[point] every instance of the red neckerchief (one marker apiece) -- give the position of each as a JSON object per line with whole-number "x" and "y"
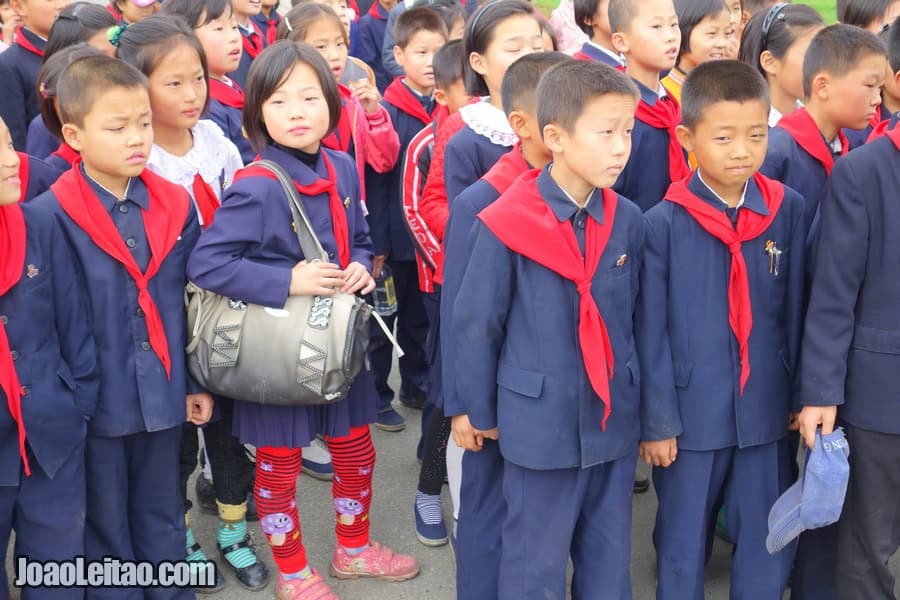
{"x": 507, "y": 169}
{"x": 24, "y": 169}
{"x": 750, "y": 225}
{"x": 12, "y": 249}
{"x": 67, "y": 153}
{"x": 229, "y": 95}
{"x": 272, "y": 22}
{"x": 340, "y": 138}
{"x": 374, "y": 12}
{"x": 666, "y": 114}
{"x": 526, "y": 224}
{"x": 252, "y": 48}
{"x": 875, "y": 120}
{"x": 320, "y": 186}
{"x": 807, "y": 135}
{"x": 880, "y": 130}
{"x": 894, "y": 136}
{"x": 163, "y": 223}
{"x": 113, "y": 11}
{"x": 23, "y": 41}
{"x": 399, "y": 95}
{"x": 206, "y": 200}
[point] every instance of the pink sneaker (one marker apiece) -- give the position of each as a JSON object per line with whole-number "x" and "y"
{"x": 375, "y": 561}
{"x": 311, "y": 588}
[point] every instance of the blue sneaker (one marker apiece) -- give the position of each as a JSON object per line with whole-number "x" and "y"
{"x": 390, "y": 420}
{"x": 317, "y": 461}
{"x": 430, "y": 535}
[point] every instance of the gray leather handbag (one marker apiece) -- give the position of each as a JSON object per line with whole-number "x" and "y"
{"x": 304, "y": 353}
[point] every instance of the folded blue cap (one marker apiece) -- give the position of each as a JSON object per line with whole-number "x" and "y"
{"x": 817, "y": 498}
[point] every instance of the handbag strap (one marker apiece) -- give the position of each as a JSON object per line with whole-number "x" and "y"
{"x": 309, "y": 243}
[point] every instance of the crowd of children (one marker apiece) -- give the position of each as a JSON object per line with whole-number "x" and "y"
{"x": 671, "y": 241}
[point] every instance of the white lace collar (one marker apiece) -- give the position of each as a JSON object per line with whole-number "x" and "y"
{"x": 214, "y": 156}
{"x": 489, "y": 121}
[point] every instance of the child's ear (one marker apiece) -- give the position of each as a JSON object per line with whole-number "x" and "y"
{"x": 769, "y": 63}
{"x": 554, "y": 138}
{"x": 519, "y": 123}
{"x": 478, "y": 63}
{"x": 440, "y": 96}
{"x": 72, "y": 136}
{"x": 620, "y": 42}
{"x": 398, "y": 56}
{"x": 819, "y": 87}
{"x": 685, "y": 137}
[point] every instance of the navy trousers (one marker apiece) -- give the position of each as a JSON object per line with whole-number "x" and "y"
{"x": 134, "y": 505}
{"x": 748, "y": 481}
{"x": 48, "y": 518}
{"x": 482, "y": 509}
{"x": 552, "y": 515}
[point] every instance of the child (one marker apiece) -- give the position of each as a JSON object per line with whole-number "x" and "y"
{"x": 419, "y": 33}
{"x": 129, "y": 12}
{"x": 592, "y": 17}
{"x": 61, "y": 157}
{"x": 81, "y": 22}
{"x": 873, "y": 15}
{"x": 777, "y": 51}
{"x": 843, "y": 72}
{"x": 481, "y": 504}
{"x": 890, "y": 93}
{"x": 20, "y": 64}
{"x": 849, "y": 367}
{"x": 252, "y": 38}
{"x": 251, "y": 252}
{"x": 267, "y": 20}
{"x": 371, "y": 36}
{"x": 49, "y": 382}
{"x": 365, "y": 130}
{"x": 706, "y": 31}
{"x": 214, "y": 25}
{"x": 545, "y": 387}
{"x": 130, "y": 232}
{"x": 647, "y": 33}
{"x": 715, "y": 397}
{"x": 195, "y": 154}
{"x": 9, "y": 22}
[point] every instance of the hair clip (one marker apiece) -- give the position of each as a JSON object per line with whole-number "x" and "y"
{"x": 114, "y": 34}
{"x": 287, "y": 25}
{"x": 43, "y": 90}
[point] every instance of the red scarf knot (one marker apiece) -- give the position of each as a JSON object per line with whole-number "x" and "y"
{"x": 801, "y": 126}
{"x": 24, "y": 42}
{"x": 665, "y": 113}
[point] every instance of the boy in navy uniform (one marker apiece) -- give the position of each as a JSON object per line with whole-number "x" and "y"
{"x": 481, "y": 506}
{"x": 20, "y": 64}
{"x": 850, "y": 371}
{"x": 48, "y": 379}
{"x": 372, "y": 26}
{"x": 131, "y": 232}
{"x": 719, "y": 325}
{"x": 420, "y": 33}
{"x": 646, "y": 32}
{"x": 543, "y": 330}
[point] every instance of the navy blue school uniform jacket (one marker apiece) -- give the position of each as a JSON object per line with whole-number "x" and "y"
{"x": 39, "y": 142}
{"x": 851, "y": 342}
{"x": 516, "y": 329}
{"x": 592, "y": 51}
{"x": 372, "y": 26}
{"x": 229, "y": 121}
{"x": 390, "y": 235}
{"x": 463, "y": 214}
{"x": 48, "y": 326}
{"x": 467, "y": 157}
{"x": 19, "y": 67}
{"x": 646, "y": 176}
{"x": 689, "y": 354}
{"x": 135, "y": 394}
{"x": 253, "y": 42}
{"x": 268, "y": 26}
{"x": 36, "y": 176}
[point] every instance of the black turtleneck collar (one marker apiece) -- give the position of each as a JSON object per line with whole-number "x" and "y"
{"x": 310, "y": 159}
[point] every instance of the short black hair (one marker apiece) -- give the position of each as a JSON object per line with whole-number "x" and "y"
{"x": 450, "y": 11}
{"x": 720, "y": 81}
{"x": 197, "y": 13}
{"x": 480, "y": 33}
{"x": 296, "y": 23}
{"x": 584, "y": 10}
{"x": 891, "y": 39}
{"x": 447, "y": 64}
{"x": 621, "y": 14}
{"x": 412, "y": 21}
{"x": 144, "y": 45}
{"x": 837, "y": 50}
{"x": 690, "y": 13}
{"x": 567, "y": 88}
{"x": 755, "y": 6}
{"x": 521, "y": 80}
{"x": 786, "y": 25}
{"x": 78, "y": 22}
{"x": 863, "y": 13}
{"x": 48, "y": 81}
{"x": 269, "y": 71}
{"x": 87, "y": 79}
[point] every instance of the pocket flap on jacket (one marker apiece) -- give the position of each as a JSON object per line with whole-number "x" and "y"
{"x": 884, "y": 341}
{"x": 66, "y": 377}
{"x": 521, "y": 381}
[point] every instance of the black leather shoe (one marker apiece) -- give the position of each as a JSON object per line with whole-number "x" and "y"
{"x": 254, "y": 577}
{"x": 220, "y": 581}
{"x": 641, "y": 484}
{"x": 412, "y": 398}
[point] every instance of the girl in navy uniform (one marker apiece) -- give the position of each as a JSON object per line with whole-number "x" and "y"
{"x": 48, "y": 380}
{"x": 251, "y": 252}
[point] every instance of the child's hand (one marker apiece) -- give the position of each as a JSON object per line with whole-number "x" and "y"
{"x": 812, "y": 417}
{"x": 315, "y": 279}
{"x": 464, "y": 434}
{"x": 659, "y": 454}
{"x": 367, "y": 94}
{"x": 357, "y": 279}
{"x": 491, "y": 434}
{"x": 199, "y": 408}
{"x": 794, "y": 421}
